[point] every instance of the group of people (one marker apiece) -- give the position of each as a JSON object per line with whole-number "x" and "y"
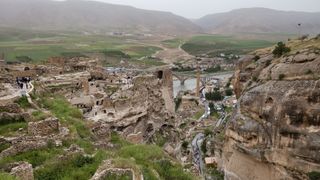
{"x": 22, "y": 81}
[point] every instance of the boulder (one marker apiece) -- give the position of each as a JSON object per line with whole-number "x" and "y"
{"x": 23, "y": 170}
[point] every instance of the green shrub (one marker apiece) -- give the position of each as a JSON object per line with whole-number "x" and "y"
{"x": 204, "y": 146}
{"x": 281, "y": 76}
{"x": 212, "y": 108}
{"x": 268, "y": 63}
{"x": 213, "y": 172}
{"x": 168, "y": 171}
{"x": 314, "y": 175}
{"x": 229, "y": 92}
{"x": 308, "y": 72}
{"x": 256, "y": 58}
{"x": 280, "y": 49}
{"x": 160, "y": 139}
{"x": 184, "y": 145}
{"x": 255, "y": 78}
{"x": 208, "y": 132}
{"x": 177, "y": 103}
{"x": 214, "y": 96}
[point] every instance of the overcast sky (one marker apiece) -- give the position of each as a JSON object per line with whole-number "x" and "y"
{"x": 198, "y": 8}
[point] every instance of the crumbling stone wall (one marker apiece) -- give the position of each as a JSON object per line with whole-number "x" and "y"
{"x": 44, "y": 128}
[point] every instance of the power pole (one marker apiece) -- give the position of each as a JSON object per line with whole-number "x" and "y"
{"x": 198, "y": 77}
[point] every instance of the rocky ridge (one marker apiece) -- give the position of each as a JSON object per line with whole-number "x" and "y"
{"x": 276, "y": 129}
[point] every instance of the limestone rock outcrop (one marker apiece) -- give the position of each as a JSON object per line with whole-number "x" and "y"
{"x": 276, "y": 130}
{"x": 23, "y": 170}
{"x": 138, "y": 112}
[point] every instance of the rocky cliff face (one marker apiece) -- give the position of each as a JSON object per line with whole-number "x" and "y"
{"x": 275, "y": 133}
{"x": 138, "y": 112}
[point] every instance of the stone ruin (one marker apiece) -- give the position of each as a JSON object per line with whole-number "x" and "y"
{"x": 138, "y": 112}
{"x": 44, "y": 128}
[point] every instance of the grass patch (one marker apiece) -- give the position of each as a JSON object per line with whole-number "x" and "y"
{"x": 148, "y": 62}
{"x": 39, "y": 115}
{"x": 214, "y": 45}
{"x": 168, "y": 171}
{"x": 141, "y": 51}
{"x": 160, "y": 140}
{"x": 7, "y": 176}
{"x": 67, "y": 114}
{"x": 4, "y": 146}
{"x": 198, "y": 114}
{"x": 72, "y": 167}
{"x": 124, "y": 176}
{"x": 11, "y": 129}
{"x": 35, "y": 157}
{"x": 152, "y": 157}
{"x": 23, "y": 102}
{"x": 172, "y": 43}
{"x": 117, "y": 140}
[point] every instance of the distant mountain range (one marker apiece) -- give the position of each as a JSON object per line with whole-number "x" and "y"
{"x": 89, "y": 16}
{"x": 74, "y": 15}
{"x": 260, "y": 20}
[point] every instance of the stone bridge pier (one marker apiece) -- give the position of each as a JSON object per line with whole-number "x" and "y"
{"x": 181, "y": 78}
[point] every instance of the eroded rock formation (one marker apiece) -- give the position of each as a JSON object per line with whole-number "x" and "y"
{"x": 140, "y": 110}
{"x": 276, "y": 130}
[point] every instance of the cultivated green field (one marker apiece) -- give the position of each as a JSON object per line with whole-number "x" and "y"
{"x": 38, "y": 46}
{"x": 172, "y": 43}
{"x": 215, "y": 44}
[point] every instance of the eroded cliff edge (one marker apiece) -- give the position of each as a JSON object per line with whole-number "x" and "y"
{"x": 275, "y": 132}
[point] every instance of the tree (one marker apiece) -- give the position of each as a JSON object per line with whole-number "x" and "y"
{"x": 228, "y": 92}
{"x": 214, "y": 96}
{"x": 280, "y": 49}
{"x": 256, "y": 58}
